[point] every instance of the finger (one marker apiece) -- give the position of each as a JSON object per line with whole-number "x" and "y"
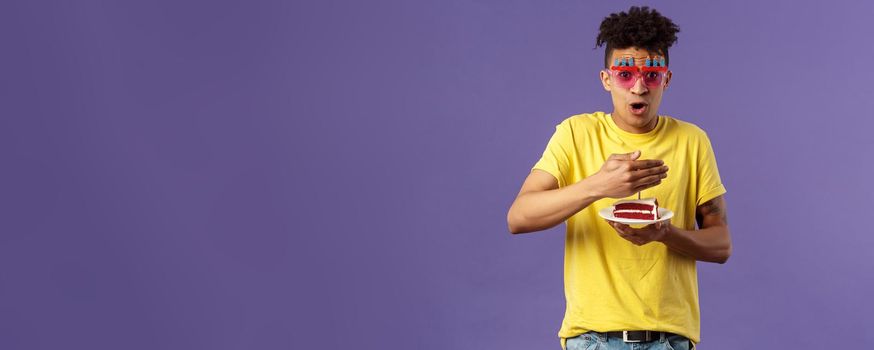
{"x": 616, "y": 227}
{"x": 635, "y": 240}
{"x": 652, "y": 179}
{"x": 631, "y": 234}
{"x": 645, "y": 164}
{"x": 625, "y": 156}
{"x": 619, "y": 229}
{"x": 627, "y": 237}
{"x": 641, "y": 173}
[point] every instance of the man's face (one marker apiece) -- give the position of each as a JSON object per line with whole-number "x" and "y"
{"x": 627, "y": 101}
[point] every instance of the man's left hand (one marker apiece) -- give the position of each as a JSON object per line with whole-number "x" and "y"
{"x": 640, "y": 236}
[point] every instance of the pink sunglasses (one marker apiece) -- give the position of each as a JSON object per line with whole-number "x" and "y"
{"x": 625, "y": 73}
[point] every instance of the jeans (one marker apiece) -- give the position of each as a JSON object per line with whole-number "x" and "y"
{"x": 600, "y": 341}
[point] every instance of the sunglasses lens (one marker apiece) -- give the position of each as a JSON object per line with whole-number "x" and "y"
{"x": 624, "y": 78}
{"x": 653, "y": 79}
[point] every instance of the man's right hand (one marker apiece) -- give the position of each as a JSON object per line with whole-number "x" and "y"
{"x": 623, "y": 175}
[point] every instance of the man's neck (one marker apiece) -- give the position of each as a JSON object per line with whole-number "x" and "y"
{"x": 634, "y": 130}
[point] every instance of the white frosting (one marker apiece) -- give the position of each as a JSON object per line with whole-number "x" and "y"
{"x": 647, "y": 201}
{"x": 635, "y": 211}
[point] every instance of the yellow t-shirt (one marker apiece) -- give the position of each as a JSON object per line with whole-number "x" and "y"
{"x": 610, "y": 283}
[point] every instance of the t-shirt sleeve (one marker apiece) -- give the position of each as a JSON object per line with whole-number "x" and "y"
{"x": 709, "y": 183}
{"x": 559, "y": 152}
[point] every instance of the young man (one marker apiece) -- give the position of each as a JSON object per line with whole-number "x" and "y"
{"x": 627, "y": 285}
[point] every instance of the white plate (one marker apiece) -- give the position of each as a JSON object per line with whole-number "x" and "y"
{"x": 607, "y": 213}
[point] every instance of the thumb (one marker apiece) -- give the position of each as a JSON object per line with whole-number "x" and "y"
{"x": 626, "y": 156}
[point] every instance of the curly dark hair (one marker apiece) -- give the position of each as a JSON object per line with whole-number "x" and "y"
{"x": 640, "y": 27}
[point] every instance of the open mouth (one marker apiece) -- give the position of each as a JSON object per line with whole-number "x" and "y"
{"x": 638, "y": 107}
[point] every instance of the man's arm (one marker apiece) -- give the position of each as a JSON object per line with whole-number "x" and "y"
{"x": 711, "y": 242}
{"x": 540, "y": 204}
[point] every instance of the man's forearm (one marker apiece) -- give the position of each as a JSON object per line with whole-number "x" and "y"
{"x": 536, "y": 211}
{"x": 711, "y": 244}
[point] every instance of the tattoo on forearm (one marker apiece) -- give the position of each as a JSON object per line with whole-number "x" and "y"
{"x": 715, "y": 206}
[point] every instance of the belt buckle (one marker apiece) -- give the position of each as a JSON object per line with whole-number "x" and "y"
{"x": 625, "y": 338}
{"x": 647, "y": 337}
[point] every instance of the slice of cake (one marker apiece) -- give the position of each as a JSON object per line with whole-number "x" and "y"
{"x": 643, "y": 209}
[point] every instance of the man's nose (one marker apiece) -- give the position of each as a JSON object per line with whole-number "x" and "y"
{"x": 639, "y": 87}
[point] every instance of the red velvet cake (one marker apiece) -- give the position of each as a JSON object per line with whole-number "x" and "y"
{"x": 643, "y": 209}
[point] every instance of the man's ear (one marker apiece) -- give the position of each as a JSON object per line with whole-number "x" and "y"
{"x": 668, "y": 79}
{"x": 605, "y": 80}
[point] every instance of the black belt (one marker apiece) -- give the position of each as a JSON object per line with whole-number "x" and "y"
{"x": 638, "y": 336}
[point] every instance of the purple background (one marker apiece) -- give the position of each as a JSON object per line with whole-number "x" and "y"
{"x": 288, "y": 175}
